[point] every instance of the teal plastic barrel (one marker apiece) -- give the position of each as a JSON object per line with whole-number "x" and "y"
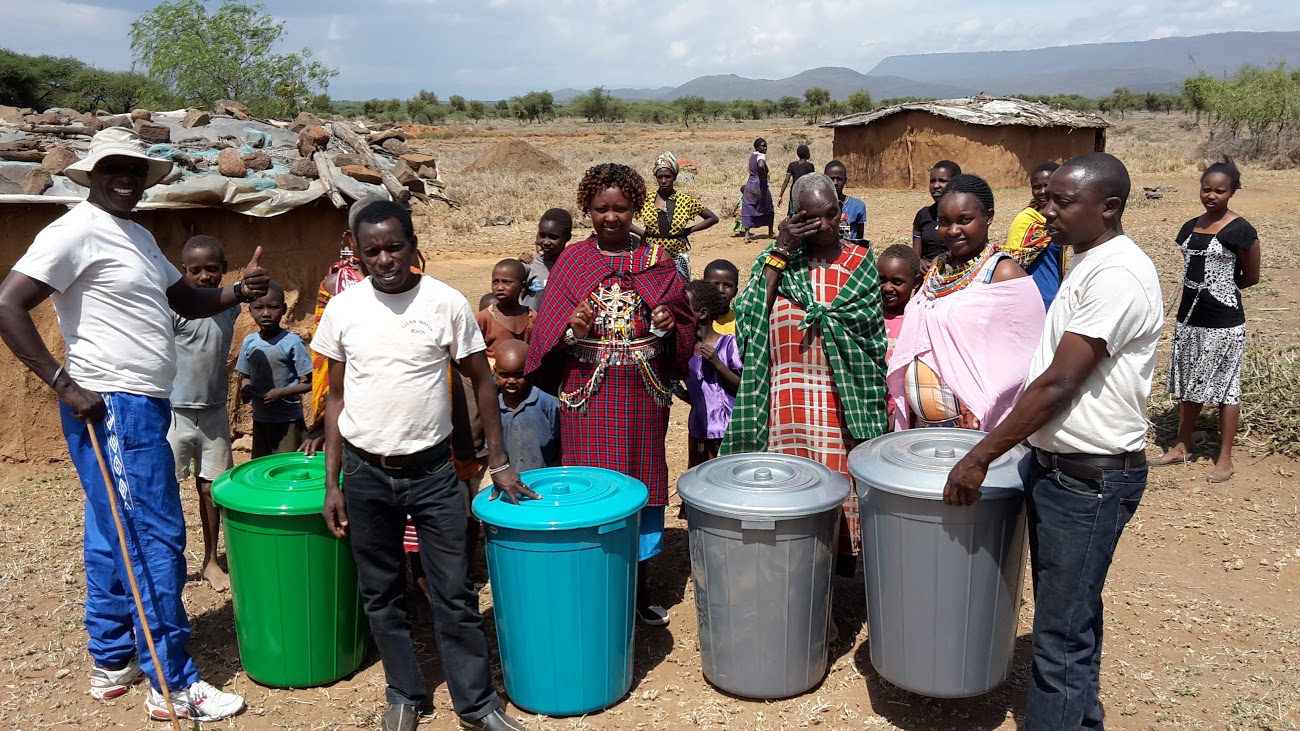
{"x": 298, "y": 613}
{"x": 563, "y": 573}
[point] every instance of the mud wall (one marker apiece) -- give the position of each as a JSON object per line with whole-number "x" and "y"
{"x": 897, "y": 151}
{"x": 297, "y": 248}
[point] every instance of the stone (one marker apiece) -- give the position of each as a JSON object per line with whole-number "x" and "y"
{"x": 426, "y": 171}
{"x": 117, "y": 120}
{"x": 172, "y": 177}
{"x": 396, "y": 147}
{"x": 292, "y": 182}
{"x": 304, "y": 168}
{"x": 311, "y": 139}
{"x": 57, "y": 159}
{"x": 416, "y": 159}
{"x": 344, "y": 159}
{"x": 153, "y": 133}
{"x": 233, "y": 109}
{"x": 258, "y": 161}
{"x": 404, "y": 174}
{"x": 361, "y": 174}
{"x": 15, "y": 180}
{"x": 230, "y": 164}
{"x": 11, "y": 115}
{"x": 138, "y": 114}
{"x": 67, "y": 114}
{"x": 256, "y": 138}
{"x": 395, "y": 133}
{"x": 304, "y": 120}
{"x": 195, "y": 118}
{"x": 89, "y": 121}
{"x": 44, "y": 118}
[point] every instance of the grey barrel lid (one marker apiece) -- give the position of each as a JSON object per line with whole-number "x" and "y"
{"x": 916, "y": 462}
{"x": 762, "y": 486}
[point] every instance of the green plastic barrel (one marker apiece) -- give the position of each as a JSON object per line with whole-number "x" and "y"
{"x": 298, "y": 612}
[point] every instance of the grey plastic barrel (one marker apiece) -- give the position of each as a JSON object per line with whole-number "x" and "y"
{"x": 943, "y": 582}
{"x": 763, "y": 531}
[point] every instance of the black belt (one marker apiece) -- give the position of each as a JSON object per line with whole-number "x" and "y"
{"x": 1089, "y": 466}
{"x": 439, "y": 452}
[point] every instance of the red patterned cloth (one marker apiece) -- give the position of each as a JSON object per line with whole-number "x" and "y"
{"x": 806, "y": 419}
{"x": 622, "y": 426}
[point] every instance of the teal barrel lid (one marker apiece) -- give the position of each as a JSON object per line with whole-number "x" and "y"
{"x": 763, "y": 486}
{"x": 916, "y": 463}
{"x": 278, "y": 484}
{"x": 572, "y": 497}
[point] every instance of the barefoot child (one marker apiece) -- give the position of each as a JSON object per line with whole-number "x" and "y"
{"x": 712, "y": 376}
{"x": 724, "y": 275}
{"x": 200, "y": 429}
{"x": 553, "y": 233}
{"x": 530, "y": 417}
{"x": 506, "y": 318}
{"x": 1221, "y": 258}
{"x": 276, "y": 370}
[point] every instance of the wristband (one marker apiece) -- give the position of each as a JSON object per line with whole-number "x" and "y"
{"x": 238, "y": 289}
{"x": 493, "y": 471}
{"x": 776, "y": 262}
{"x": 55, "y": 378}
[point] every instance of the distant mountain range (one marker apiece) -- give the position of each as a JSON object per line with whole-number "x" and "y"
{"x": 1093, "y": 70}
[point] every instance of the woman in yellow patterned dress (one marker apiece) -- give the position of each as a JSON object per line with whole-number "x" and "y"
{"x": 667, "y": 217}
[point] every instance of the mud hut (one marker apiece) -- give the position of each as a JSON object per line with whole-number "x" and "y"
{"x": 999, "y": 139}
{"x": 298, "y": 221}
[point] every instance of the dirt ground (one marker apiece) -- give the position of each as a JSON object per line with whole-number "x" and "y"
{"x": 1203, "y": 620}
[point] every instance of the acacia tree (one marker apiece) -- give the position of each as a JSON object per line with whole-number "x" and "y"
{"x": 200, "y": 58}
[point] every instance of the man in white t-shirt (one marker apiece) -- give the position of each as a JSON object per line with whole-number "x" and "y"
{"x": 1084, "y": 414}
{"x": 390, "y": 339}
{"x": 114, "y": 293}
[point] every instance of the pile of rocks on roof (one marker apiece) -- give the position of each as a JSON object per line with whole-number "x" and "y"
{"x": 35, "y": 149}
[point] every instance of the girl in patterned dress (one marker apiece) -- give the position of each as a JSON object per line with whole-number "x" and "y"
{"x": 667, "y": 216}
{"x": 1220, "y": 258}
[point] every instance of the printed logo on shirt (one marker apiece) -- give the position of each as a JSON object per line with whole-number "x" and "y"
{"x": 417, "y": 326}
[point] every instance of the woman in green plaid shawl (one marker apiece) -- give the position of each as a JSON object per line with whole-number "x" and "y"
{"x": 812, "y": 334}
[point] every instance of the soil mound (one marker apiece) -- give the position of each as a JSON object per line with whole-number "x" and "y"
{"x": 516, "y": 156}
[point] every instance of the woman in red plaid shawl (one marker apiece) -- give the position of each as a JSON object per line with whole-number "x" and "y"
{"x": 613, "y": 331}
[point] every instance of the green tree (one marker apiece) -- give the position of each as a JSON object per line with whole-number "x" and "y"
{"x": 533, "y": 106}
{"x": 690, "y": 106}
{"x": 789, "y": 105}
{"x": 860, "y": 101}
{"x": 502, "y": 108}
{"x": 320, "y": 104}
{"x": 816, "y": 96}
{"x": 201, "y": 57}
{"x": 456, "y": 102}
{"x": 1122, "y": 100}
{"x": 594, "y": 105}
{"x": 477, "y": 110}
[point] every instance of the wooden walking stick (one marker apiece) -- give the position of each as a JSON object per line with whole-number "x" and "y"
{"x": 130, "y": 574}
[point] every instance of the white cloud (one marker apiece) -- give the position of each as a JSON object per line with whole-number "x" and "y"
{"x": 1165, "y": 31}
{"x": 1133, "y": 11}
{"x": 678, "y": 50}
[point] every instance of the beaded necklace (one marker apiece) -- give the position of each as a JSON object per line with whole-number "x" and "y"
{"x": 941, "y": 284}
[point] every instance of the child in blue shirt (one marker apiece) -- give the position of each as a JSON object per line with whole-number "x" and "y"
{"x": 276, "y": 370}
{"x": 530, "y": 417}
{"x": 853, "y": 212}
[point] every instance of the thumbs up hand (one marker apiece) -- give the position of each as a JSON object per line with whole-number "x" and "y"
{"x": 255, "y": 279}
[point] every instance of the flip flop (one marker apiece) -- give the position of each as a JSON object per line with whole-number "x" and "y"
{"x": 1217, "y": 479}
{"x": 1158, "y": 462}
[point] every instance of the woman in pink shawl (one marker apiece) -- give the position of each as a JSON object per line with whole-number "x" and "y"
{"x": 963, "y": 355}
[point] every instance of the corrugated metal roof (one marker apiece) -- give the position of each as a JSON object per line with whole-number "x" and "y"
{"x": 983, "y": 110}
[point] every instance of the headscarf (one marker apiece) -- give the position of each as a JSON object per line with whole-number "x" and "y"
{"x": 666, "y": 161}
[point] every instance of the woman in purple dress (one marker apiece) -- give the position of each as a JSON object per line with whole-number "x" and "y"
{"x": 757, "y": 210}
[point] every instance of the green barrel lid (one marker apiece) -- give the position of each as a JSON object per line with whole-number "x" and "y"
{"x": 278, "y": 484}
{"x": 572, "y": 497}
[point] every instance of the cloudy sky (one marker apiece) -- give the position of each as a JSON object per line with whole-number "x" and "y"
{"x": 490, "y": 49}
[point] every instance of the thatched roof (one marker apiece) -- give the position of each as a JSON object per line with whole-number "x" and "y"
{"x": 989, "y": 111}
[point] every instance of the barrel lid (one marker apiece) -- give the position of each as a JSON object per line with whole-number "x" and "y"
{"x": 572, "y": 497}
{"x": 277, "y": 484}
{"x": 762, "y": 486}
{"x": 916, "y": 463}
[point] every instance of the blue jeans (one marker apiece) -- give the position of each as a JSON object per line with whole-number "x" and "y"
{"x": 1074, "y": 526}
{"x": 378, "y": 501}
{"x": 133, "y": 435}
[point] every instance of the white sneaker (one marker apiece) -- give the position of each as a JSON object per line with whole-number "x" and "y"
{"x": 108, "y": 684}
{"x": 199, "y": 702}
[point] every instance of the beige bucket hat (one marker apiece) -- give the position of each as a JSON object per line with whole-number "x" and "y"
{"x": 117, "y": 142}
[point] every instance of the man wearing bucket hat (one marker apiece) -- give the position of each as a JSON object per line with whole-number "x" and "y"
{"x": 1084, "y": 413}
{"x": 113, "y": 292}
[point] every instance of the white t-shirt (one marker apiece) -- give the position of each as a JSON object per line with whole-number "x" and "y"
{"x": 397, "y": 348}
{"x": 110, "y": 285}
{"x": 1111, "y": 293}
